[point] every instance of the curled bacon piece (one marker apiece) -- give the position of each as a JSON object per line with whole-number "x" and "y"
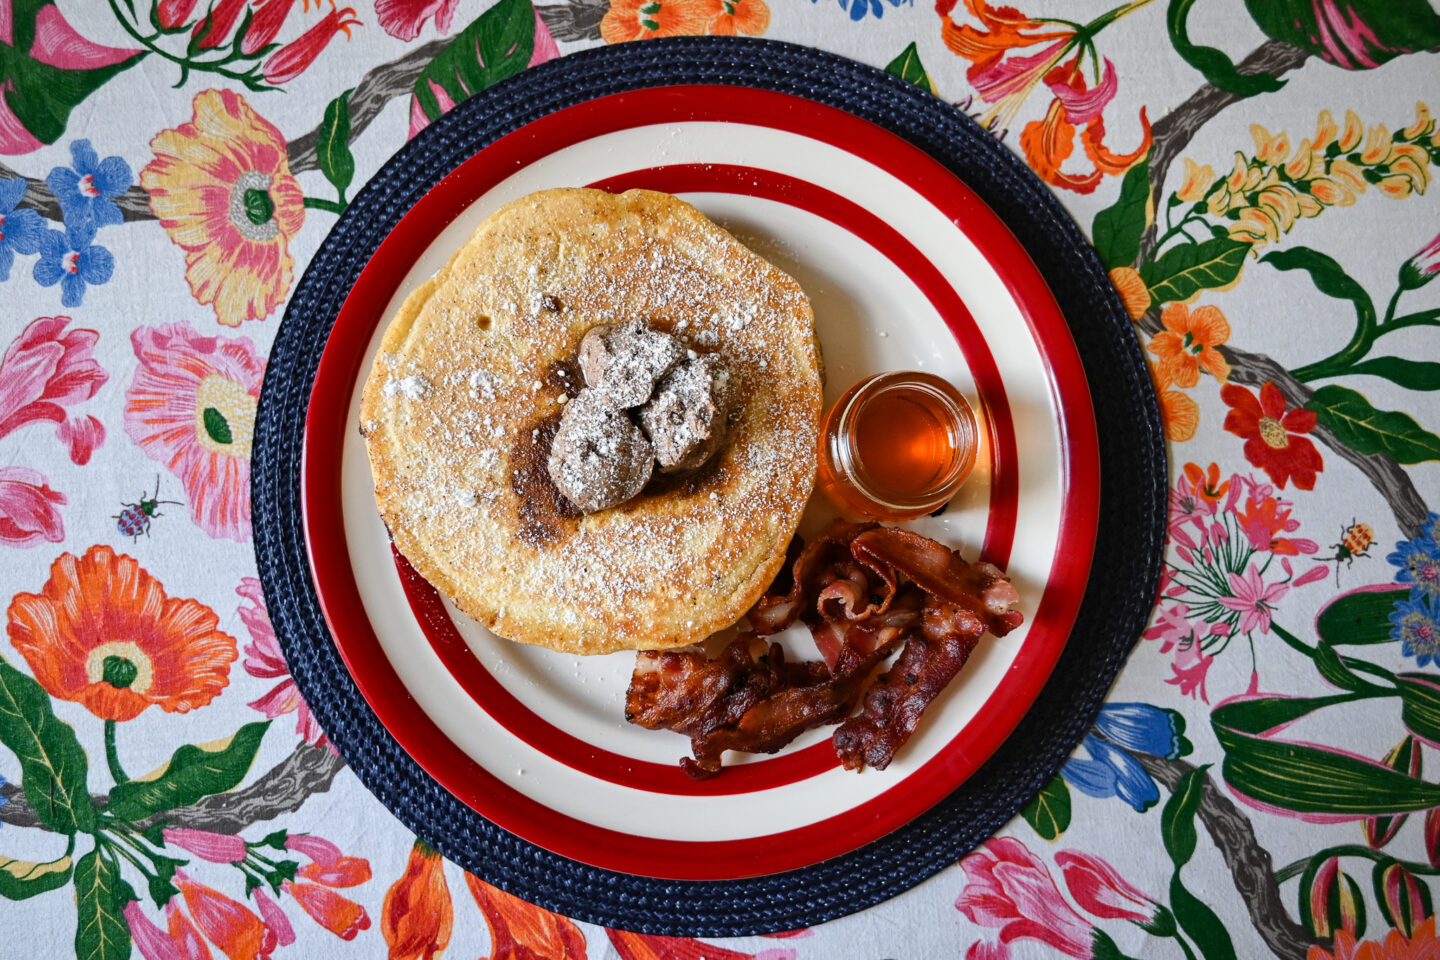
{"x": 893, "y": 704}
{"x": 846, "y": 587}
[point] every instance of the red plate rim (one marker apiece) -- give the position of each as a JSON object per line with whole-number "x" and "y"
{"x": 327, "y": 422}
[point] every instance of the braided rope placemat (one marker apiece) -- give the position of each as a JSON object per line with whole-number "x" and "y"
{"x": 1128, "y": 549}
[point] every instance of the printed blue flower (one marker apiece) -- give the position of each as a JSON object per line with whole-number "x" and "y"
{"x": 1111, "y": 772}
{"x": 1144, "y": 729}
{"x": 859, "y": 8}
{"x": 1417, "y": 627}
{"x": 87, "y": 192}
{"x": 3, "y": 799}
{"x": 1419, "y": 562}
{"x": 72, "y": 260}
{"x": 20, "y": 230}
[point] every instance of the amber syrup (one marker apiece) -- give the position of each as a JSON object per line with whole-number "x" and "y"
{"x": 897, "y": 446}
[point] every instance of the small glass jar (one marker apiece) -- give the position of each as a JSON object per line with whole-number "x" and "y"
{"x": 897, "y": 446}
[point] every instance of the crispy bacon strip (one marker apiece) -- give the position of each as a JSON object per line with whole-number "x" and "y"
{"x": 846, "y": 586}
{"x": 893, "y": 704}
{"x": 941, "y": 572}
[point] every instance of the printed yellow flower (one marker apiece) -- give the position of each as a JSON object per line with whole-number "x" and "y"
{"x": 1325, "y": 130}
{"x": 1354, "y": 132}
{"x": 1349, "y": 174}
{"x": 1309, "y": 206}
{"x": 1198, "y": 180}
{"x": 1306, "y": 159}
{"x": 1377, "y": 146}
{"x": 1256, "y": 226}
{"x": 1422, "y": 126}
{"x": 222, "y": 189}
{"x": 1133, "y": 292}
{"x": 1270, "y": 149}
{"x": 1398, "y": 186}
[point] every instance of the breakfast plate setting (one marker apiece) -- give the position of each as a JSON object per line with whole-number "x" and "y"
{"x": 859, "y": 228}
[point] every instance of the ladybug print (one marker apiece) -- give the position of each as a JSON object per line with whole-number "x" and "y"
{"x": 1355, "y": 541}
{"x": 135, "y": 518}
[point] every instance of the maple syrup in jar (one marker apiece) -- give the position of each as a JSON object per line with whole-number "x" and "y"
{"x": 897, "y": 446}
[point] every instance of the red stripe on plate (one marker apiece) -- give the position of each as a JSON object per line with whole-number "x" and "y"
{"x": 327, "y": 423}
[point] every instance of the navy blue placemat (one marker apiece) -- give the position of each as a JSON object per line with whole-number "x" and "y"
{"x": 1117, "y": 602}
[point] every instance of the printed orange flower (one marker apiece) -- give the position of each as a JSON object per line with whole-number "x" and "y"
{"x": 1273, "y": 435}
{"x": 1179, "y": 414}
{"x": 417, "y": 915}
{"x": 227, "y": 923}
{"x": 1206, "y": 483}
{"x": 1133, "y": 292}
{"x": 102, "y": 633}
{"x": 519, "y": 930}
{"x": 731, "y": 17}
{"x": 1001, "y": 30}
{"x": 642, "y": 19}
{"x": 1049, "y": 143}
{"x": 1187, "y": 344}
{"x": 222, "y": 189}
{"x": 341, "y": 916}
{"x": 1420, "y": 945}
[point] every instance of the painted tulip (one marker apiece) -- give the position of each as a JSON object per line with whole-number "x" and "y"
{"x": 174, "y": 14}
{"x": 1334, "y": 902}
{"x": 1100, "y": 890}
{"x": 214, "y": 28}
{"x": 269, "y": 18}
{"x": 1405, "y": 757}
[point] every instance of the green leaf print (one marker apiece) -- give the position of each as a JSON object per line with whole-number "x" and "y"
{"x": 908, "y": 67}
{"x": 193, "y": 772}
{"x": 1119, "y": 227}
{"x": 1361, "y": 427}
{"x": 1049, "y": 813}
{"x": 498, "y": 44}
{"x": 1359, "y": 617}
{"x": 52, "y": 762}
{"x": 22, "y": 879}
{"x": 1185, "y": 270}
{"x": 100, "y": 895}
{"x": 332, "y": 146}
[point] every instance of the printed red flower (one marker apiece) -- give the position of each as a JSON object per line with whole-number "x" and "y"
{"x": 174, "y": 13}
{"x": 227, "y": 923}
{"x": 1187, "y": 344}
{"x": 1274, "y": 436}
{"x": 28, "y": 514}
{"x": 343, "y": 917}
{"x": 295, "y": 57}
{"x": 1100, "y": 890}
{"x": 265, "y": 24}
{"x": 1008, "y": 888}
{"x": 102, "y": 633}
{"x": 417, "y": 915}
{"x": 519, "y": 931}
{"x": 214, "y": 28}
{"x": 44, "y": 371}
{"x": 404, "y": 19}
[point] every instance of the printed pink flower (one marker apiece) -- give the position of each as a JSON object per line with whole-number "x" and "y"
{"x": 191, "y": 407}
{"x": 45, "y": 370}
{"x": 28, "y": 514}
{"x": 1422, "y": 267}
{"x": 56, "y": 44}
{"x": 274, "y": 917}
{"x": 264, "y": 659}
{"x": 1189, "y": 673}
{"x": 404, "y": 19}
{"x": 152, "y": 942}
{"x": 1008, "y": 887}
{"x": 1253, "y": 599}
{"x": 1100, "y": 890}
{"x": 545, "y": 49}
{"x": 207, "y": 845}
{"x": 316, "y": 848}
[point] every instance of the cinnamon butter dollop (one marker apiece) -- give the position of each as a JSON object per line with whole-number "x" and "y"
{"x": 646, "y": 399}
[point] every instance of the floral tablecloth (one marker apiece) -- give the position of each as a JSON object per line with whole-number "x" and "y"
{"x": 1258, "y": 177}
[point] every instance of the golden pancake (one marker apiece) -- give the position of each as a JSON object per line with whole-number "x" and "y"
{"x": 467, "y": 388}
